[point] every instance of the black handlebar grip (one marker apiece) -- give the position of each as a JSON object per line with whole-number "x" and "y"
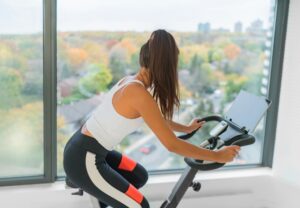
{"x": 206, "y": 119}
{"x": 199, "y": 165}
{"x": 240, "y": 140}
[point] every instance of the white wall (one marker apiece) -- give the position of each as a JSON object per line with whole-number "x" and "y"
{"x": 287, "y": 148}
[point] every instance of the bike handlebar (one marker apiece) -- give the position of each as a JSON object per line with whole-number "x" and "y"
{"x": 206, "y": 119}
{"x": 241, "y": 139}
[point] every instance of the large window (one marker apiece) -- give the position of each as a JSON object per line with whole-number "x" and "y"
{"x": 58, "y": 59}
{"x": 21, "y": 84}
{"x": 225, "y": 46}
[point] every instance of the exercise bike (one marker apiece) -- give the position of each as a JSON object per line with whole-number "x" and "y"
{"x": 234, "y": 128}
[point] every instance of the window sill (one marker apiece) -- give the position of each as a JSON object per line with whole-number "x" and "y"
{"x": 212, "y": 175}
{"x": 221, "y": 182}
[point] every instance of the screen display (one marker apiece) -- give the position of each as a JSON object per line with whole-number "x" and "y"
{"x": 247, "y": 110}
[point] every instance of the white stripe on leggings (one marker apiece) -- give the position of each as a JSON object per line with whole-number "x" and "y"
{"x": 104, "y": 186}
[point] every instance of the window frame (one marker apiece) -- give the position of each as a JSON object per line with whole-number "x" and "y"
{"x": 278, "y": 47}
{"x": 49, "y": 101}
{"x": 50, "y": 96}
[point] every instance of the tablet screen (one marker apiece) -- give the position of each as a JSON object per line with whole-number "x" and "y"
{"x": 247, "y": 110}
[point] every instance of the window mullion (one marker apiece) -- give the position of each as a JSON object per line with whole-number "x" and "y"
{"x": 50, "y": 90}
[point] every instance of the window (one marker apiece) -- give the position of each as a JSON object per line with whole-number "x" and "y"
{"x": 223, "y": 49}
{"x": 21, "y": 83}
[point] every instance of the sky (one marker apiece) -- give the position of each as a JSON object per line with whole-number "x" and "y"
{"x": 25, "y": 16}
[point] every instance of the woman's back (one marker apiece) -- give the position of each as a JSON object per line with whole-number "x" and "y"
{"x": 107, "y": 125}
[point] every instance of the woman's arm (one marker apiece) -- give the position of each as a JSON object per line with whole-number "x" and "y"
{"x": 177, "y": 126}
{"x": 192, "y": 126}
{"x": 148, "y": 109}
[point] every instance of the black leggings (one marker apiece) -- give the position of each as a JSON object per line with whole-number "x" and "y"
{"x": 110, "y": 176}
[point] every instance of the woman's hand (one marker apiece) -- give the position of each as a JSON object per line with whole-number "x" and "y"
{"x": 194, "y": 125}
{"x": 227, "y": 153}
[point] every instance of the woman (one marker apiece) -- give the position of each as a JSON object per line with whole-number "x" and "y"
{"x": 89, "y": 159}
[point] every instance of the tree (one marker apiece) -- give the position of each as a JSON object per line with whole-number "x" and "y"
{"x": 195, "y": 63}
{"x": 201, "y": 76}
{"x": 181, "y": 63}
{"x": 11, "y": 84}
{"x": 76, "y": 56}
{"x": 97, "y": 80}
{"x": 232, "y": 51}
{"x": 127, "y": 44}
{"x": 134, "y": 62}
{"x": 117, "y": 63}
{"x": 184, "y": 92}
{"x": 96, "y": 53}
{"x": 233, "y": 86}
{"x": 188, "y": 52}
{"x": 12, "y": 57}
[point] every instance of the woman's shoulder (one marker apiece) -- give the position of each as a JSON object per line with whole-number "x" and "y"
{"x": 135, "y": 88}
{"x": 140, "y": 98}
{"x": 135, "y": 91}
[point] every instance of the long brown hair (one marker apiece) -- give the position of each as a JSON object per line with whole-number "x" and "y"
{"x": 161, "y": 61}
{"x": 144, "y": 55}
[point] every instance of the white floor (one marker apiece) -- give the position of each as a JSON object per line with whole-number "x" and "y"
{"x": 269, "y": 193}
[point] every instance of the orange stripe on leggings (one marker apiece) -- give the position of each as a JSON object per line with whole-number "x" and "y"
{"x": 133, "y": 193}
{"x": 127, "y": 163}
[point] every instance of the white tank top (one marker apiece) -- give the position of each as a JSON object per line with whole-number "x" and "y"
{"x": 108, "y": 126}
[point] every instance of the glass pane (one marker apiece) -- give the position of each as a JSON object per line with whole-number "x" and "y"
{"x": 21, "y": 83}
{"x": 224, "y": 47}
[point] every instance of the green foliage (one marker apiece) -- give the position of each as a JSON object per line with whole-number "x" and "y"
{"x": 75, "y": 96}
{"x": 11, "y": 83}
{"x": 216, "y": 55}
{"x": 10, "y": 57}
{"x": 205, "y": 107}
{"x": 195, "y": 63}
{"x": 201, "y": 79}
{"x": 118, "y": 67}
{"x": 181, "y": 62}
{"x": 253, "y": 46}
{"x": 134, "y": 63}
{"x": 97, "y": 80}
{"x": 233, "y": 86}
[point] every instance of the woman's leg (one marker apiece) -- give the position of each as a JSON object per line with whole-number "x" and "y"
{"x": 96, "y": 177}
{"x": 132, "y": 171}
{"x": 112, "y": 183}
